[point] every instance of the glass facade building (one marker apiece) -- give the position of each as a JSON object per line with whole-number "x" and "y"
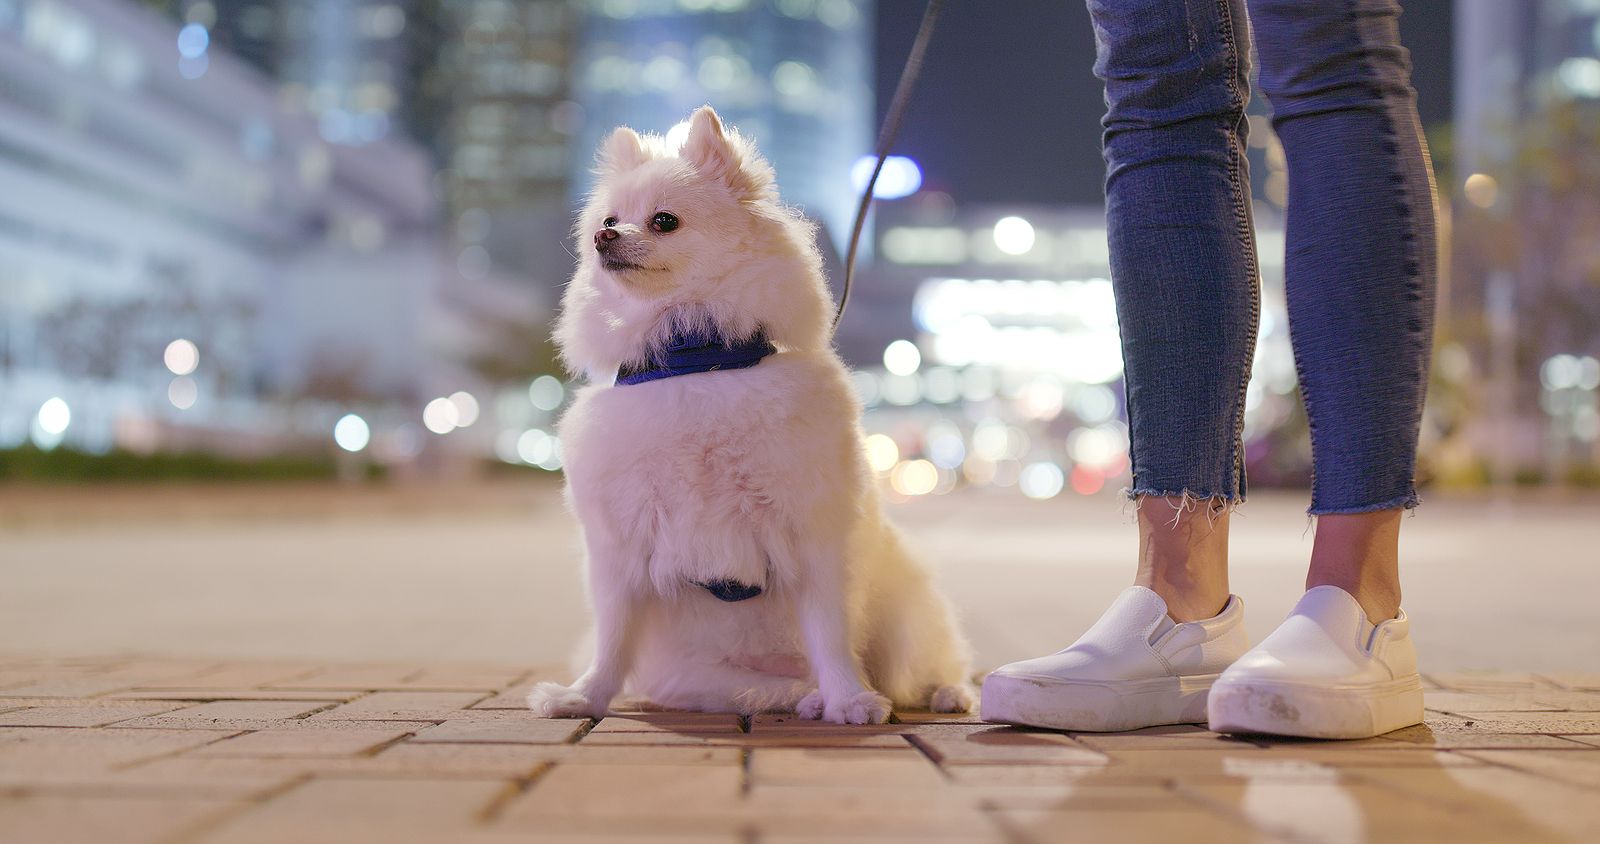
{"x": 796, "y": 75}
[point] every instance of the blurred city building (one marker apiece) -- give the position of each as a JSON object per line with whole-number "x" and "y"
{"x": 1525, "y": 294}
{"x": 1006, "y": 368}
{"x": 187, "y": 263}
{"x": 796, "y": 75}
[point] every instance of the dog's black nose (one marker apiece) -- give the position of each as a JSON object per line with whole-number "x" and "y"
{"x": 603, "y": 238}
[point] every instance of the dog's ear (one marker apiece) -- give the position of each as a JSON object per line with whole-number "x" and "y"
{"x": 622, "y": 151}
{"x": 724, "y": 155}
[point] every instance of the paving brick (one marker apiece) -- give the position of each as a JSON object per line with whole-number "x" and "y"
{"x": 1532, "y": 723}
{"x": 100, "y": 818}
{"x": 515, "y": 697}
{"x": 1577, "y": 680}
{"x": 79, "y": 716}
{"x": 230, "y": 715}
{"x": 978, "y": 776}
{"x": 238, "y": 675}
{"x": 1520, "y": 700}
{"x": 1486, "y": 681}
{"x": 854, "y": 767}
{"x": 216, "y": 777}
{"x": 369, "y": 678}
{"x": 885, "y": 737}
{"x": 918, "y": 717}
{"x": 665, "y": 798}
{"x": 1083, "y": 794}
{"x": 1336, "y": 811}
{"x": 670, "y": 722}
{"x": 992, "y": 745}
{"x": 500, "y": 727}
{"x": 505, "y": 761}
{"x": 203, "y": 694}
{"x": 937, "y": 813}
{"x": 1572, "y": 701}
{"x": 1505, "y": 796}
{"x": 362, "y": 810}
{"x": 36, "y": 755}
{"x": 309, "y": 741}
{"x": 587, "y": 754}
{"x": 402, "y": 706}
{"x": 1175, "y": 737}
{"x": 1577, "y": 768}
{"x": 1187, "y": 825}
{"x": 788, "y": 730}
{"x": 470, "y": 678}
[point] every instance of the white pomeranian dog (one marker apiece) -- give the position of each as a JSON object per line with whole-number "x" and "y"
{"x": 737, "y": 552}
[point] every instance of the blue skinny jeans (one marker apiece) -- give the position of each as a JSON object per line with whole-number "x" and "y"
{"x": 1360, "y": 264}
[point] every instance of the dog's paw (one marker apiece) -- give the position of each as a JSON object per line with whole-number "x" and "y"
{"x": 810, "y": 707}
{"x": 553, "y": 700}
{"x": 867, "y": 707}
{"x": 953, "y": 698}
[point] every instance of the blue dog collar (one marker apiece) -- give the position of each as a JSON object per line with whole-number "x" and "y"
{"x": 691, "y": 352}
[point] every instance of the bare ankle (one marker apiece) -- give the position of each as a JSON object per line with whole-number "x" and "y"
{"x": 1360, "y": 553}
{"x": 1183, "y": 556}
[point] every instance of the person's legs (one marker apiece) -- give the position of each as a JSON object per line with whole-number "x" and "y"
{"x": 1360, "y": 272}
{"x": 1183, "y": 265}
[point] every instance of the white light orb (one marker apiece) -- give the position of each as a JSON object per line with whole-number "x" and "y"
{"x": 1013, "y": 235}
{"x": 535, "y": 446}
{"x": 183, "y": 392}
{"x": 54, "y": 416}
{"x": 1040, "y": 481}
{"x": 351, "y": 433}
{"x": 900, "y": 177}
{"x": 914, "y": 477}
{"x": 902, "y": 357}
{"x": 466, "y": 408}
{"x": 882, "y": 453}
{"x": 181, "y": 356}
{"x": 440, "y": 416}
{"x": 547, "y": 392}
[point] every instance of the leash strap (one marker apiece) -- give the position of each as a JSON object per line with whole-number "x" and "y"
{"x": 886, "y": 136}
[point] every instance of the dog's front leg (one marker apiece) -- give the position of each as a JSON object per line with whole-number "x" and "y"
{"x": 616, "y": 612}
{"x": 841, "y": 696}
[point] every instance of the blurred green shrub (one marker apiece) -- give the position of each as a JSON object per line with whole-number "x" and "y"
{"x": 62, "y": 465}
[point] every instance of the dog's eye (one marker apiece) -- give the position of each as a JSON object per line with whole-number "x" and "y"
{"x": 664, "y": 222}
{"x": 609, "y": 222}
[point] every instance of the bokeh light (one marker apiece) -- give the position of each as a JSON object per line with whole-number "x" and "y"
{"x": 882, "y": 453}
{"x": 181, "y": 357}
{"x": 1014, "y": 235}
{"x": 351, "y": 432}
{"x": 440, "y": 416}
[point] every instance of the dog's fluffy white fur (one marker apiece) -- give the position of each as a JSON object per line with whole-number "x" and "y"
{"x": 755, "y": 475}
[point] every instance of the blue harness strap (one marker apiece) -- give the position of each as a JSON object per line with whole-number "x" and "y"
{"x": 691, "y": 352}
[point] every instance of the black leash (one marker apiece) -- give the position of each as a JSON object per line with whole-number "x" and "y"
{"x": 886, "y": 136}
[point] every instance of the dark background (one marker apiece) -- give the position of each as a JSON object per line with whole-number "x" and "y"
{"x": 1021, "y": 124}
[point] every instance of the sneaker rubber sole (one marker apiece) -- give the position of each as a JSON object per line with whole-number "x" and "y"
{"x": 1090, "y": 706}
{"x": 1315, "y": 711}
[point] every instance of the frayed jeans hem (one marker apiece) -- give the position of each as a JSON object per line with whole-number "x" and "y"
{"x": 1409, "y": 501}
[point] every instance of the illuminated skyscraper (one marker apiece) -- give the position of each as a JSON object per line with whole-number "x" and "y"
{"x": 794, "y": 74}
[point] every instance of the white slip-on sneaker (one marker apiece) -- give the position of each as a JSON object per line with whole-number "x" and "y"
{"x": 1134, "y": 668}
{"x": 1326, "y": 672}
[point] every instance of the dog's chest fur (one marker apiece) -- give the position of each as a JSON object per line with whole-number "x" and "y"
{"x": 706, "y": 477}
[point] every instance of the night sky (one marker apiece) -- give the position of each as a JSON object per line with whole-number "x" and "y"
{"x": 1008, "y": 109}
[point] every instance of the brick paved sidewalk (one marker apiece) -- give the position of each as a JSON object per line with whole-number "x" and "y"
{"x": 120, "y": 750}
